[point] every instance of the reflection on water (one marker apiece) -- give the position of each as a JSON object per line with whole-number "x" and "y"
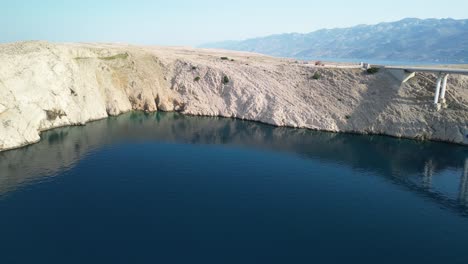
{"x": 463, "y": 194}
{"x": 167, "y": 188}
{"x": 410, "y": 164}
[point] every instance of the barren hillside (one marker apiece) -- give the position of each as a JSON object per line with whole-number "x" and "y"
{"x": 44, "y": 85}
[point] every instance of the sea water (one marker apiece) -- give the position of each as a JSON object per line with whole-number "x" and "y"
{"x": 167, "y": 188}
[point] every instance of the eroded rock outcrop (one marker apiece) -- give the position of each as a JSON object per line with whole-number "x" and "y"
{"x": 44, "y": 85}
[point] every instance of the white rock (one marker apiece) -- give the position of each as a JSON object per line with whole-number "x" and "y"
{"x": 84, "y": 82}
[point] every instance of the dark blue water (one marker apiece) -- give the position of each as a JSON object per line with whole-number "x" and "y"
{"x": 164, "y": 188}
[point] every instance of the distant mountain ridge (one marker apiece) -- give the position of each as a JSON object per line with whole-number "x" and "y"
{"x": 410, "y": 39}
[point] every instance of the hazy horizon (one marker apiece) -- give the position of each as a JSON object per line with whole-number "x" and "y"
{"x": 185, "y": 23}
{"x": 343, "y": 27}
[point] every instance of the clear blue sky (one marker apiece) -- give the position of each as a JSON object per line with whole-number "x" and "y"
{"x": 183, "y": 22}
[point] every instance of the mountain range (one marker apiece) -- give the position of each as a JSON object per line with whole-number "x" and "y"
{"x": 409, "y": 40}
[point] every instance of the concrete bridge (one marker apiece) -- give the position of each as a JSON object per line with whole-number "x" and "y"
{"x": 406, "y": 73}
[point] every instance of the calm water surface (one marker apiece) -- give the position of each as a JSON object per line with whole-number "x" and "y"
{"x": 164, "y": 188}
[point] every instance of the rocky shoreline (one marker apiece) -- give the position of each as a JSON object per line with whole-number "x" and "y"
{"x": 45, "y": 85}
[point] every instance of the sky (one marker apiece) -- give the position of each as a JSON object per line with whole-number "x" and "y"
{"x": 191, "y": 23}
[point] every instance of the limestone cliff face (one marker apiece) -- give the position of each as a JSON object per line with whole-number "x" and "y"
{"x": 43, "y": 86}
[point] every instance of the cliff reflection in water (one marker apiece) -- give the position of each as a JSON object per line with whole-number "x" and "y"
{"x": 412, "y": 165}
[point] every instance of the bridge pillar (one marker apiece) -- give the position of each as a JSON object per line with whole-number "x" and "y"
{"x": 401, "y": 75}
{"x": 437, "y": 92}
{"x": 444, "y": 89}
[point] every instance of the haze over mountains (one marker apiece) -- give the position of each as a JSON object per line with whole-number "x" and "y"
{"x": 407, "y": 40}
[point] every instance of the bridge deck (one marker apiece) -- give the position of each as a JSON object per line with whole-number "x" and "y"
{"x": 430, "y": 70}
{"x": 403, "y": 74}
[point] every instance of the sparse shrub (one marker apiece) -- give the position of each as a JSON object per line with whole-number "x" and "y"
{"x": 232, "y": 59}
{"x": 54, "y": 114}
{"x": 316, "y": 76}
{"x": 373, "y": 70}
{"x": 197, "y": 78}
{"x": 194, "y": 68}
{"x": 348, "y": 117}
{"x": 224, "y": 58}
{"x": 115, "y": 57}
{"x": 225, "y": 80}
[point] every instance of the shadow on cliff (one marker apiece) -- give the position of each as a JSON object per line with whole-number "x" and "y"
{"x": 385, "y": 94}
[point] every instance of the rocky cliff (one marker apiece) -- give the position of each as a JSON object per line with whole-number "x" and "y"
{"x": 44, "y": 85}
